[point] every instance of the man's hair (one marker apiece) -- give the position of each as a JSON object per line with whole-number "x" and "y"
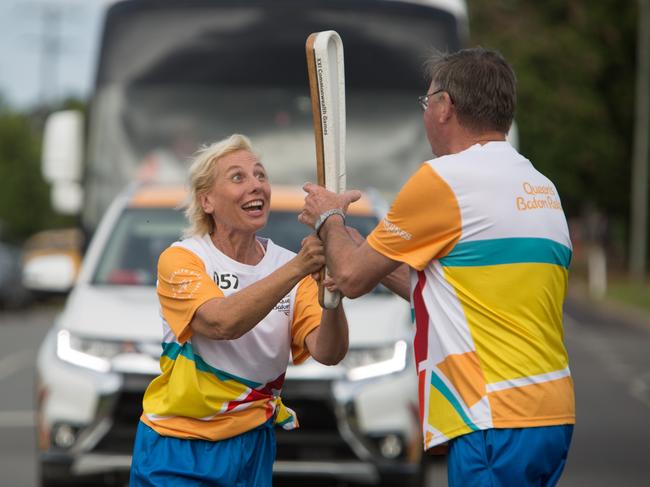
{"x": 481, "y": 85}
{"x": 202, "y": 176}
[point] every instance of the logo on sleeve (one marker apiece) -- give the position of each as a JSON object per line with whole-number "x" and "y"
{"x": 392, "y": 228}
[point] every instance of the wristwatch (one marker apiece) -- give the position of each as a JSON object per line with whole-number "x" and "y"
{"x": 325, "y": 215}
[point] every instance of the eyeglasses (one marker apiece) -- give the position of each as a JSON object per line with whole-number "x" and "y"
{"x": 424, "y": 99}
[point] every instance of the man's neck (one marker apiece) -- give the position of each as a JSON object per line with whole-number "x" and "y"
{"x": 466, "y": 139}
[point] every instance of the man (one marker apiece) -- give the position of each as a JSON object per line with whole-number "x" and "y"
{"x": 488, "y": 246}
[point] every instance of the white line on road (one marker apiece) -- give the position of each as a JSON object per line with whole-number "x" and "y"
{"x": 14, "y": 362}
{"x": 17, "y": 419}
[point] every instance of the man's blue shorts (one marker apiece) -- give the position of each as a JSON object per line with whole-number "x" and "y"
{"x": 245, "y": 460}
{"x": 523, "y": 457}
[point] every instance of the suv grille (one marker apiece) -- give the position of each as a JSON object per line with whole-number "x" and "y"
{"x": 318, "y": 437}
{"x": 126, "y": 414}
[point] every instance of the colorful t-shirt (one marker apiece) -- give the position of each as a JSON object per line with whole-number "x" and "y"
{"x": 215, "y": 389}
{"x": 488, "y": 244}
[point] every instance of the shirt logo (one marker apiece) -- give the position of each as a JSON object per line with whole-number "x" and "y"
{"x": 392, "y": 228}
{"x": 184, "y": 282}
{"x": 284, "y": 305}
{"x": 538, "y": 197}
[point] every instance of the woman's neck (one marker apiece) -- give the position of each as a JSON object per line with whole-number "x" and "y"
{"x": 242, "y": 247}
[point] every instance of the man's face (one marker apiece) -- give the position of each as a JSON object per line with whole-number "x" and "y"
{"x": 240, "y": 196}
{"x": 429, "y": 117}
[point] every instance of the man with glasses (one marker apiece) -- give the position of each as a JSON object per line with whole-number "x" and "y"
{"x": 487, "y": 244}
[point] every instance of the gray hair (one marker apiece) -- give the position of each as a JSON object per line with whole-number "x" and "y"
{"x": 202, "y": 176}
{"x": 481, "y": 85}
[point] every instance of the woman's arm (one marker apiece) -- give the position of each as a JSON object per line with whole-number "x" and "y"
{"x": 399, "y": 281}
{"x": 328, "y": 343}
{"x": 230, "y": 317}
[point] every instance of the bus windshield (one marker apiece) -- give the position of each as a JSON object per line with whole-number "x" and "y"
{"x": 176, "y": 75}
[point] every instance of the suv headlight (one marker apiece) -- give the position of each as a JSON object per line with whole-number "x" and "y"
{"x": 374, "y": 362}
{"x": 88, "y": 353}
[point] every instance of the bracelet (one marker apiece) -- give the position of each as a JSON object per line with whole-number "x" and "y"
{"x": 325, "y": 215}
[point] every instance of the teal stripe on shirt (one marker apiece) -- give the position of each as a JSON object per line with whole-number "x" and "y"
{"x": 508, "y": 251}
{"x": 172, "y": 350}
{"x": 444, "y": 390}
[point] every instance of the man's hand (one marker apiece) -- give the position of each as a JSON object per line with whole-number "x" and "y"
{"x": 319, "y": 200}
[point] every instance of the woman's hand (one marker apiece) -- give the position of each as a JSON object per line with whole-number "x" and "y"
{"x": 311, "y": 257}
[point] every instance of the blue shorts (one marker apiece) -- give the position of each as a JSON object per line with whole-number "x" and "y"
{"x": 520, "y": 457}
{"x": 245, "y": 460}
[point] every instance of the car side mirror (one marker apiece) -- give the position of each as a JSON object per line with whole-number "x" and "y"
{"x": 62, "y": 160}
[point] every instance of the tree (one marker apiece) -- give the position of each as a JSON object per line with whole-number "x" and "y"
{"x": 24, "y": 196}
{"x": 575, "y": 62}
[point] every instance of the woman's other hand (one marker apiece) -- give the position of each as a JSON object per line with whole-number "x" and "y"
{"x": 311, "y": 257}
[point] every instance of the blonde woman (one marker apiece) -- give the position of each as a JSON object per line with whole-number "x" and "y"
{"x": 235, "y": 309}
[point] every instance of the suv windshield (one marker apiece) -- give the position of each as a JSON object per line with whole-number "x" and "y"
{"x": 141, "y": 234}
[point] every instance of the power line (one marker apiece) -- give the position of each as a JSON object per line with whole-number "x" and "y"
{"x": 51, "y": 45}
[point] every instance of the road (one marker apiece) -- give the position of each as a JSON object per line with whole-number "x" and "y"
{"x": 610, "y": 362}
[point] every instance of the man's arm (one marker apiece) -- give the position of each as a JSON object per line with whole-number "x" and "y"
{"x": 357, "y": 269}
{"x": 398, "y": 281}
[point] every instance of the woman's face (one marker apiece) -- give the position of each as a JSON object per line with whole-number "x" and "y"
{"x": 240, "y": 196}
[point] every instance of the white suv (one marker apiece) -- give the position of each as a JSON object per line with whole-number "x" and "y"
{"x": 358, "y": 419}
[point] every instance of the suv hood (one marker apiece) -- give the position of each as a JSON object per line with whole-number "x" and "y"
{"x": 114, "y": 313}
{"x": 132, "y": 313}
{"x": 377, "y": 319}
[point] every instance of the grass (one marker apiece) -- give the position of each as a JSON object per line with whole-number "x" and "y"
{"x": 630, "y": 293}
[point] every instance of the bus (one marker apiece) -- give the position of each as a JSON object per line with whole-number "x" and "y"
{"x": 173, "y": 75}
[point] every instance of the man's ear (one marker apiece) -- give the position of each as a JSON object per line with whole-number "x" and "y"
{"x": 446, "y": 108}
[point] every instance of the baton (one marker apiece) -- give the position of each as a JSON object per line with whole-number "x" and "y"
{"x": 327, "y": 89}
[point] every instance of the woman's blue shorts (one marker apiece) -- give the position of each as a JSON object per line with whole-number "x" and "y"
{"x": 245, "y": 460}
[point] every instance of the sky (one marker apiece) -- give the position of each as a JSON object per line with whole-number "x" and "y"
{"x": 28, "y": 29}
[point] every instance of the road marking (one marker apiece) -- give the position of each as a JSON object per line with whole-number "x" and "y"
{"x": 640, "y": 388}
{"x": 17, "y": 419}
{"x": 14, "y": 362}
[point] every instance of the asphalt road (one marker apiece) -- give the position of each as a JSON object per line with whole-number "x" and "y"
{"x": 610, "y": 362}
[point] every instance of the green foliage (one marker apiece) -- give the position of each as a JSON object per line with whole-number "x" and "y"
{"x": 630, "y": 293}
{"x": 24, "y": 196}
{"x": 575, "y": 63}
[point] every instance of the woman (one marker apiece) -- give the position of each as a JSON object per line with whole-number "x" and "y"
{"x": 234, "y": 308}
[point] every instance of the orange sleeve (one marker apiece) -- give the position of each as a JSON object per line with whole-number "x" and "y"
{"x": 423, "y": 223}
{"x": 183, "y": 286}
{"x": 306, "y": 318}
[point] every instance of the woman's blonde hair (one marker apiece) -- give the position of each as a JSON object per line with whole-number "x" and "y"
{"x": 202, "y": 175}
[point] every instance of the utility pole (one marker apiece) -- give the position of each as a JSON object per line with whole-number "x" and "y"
{"x": 639, "y": 202}
{"x": 50, "y": 50}
{"x": 50, "y": 14}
